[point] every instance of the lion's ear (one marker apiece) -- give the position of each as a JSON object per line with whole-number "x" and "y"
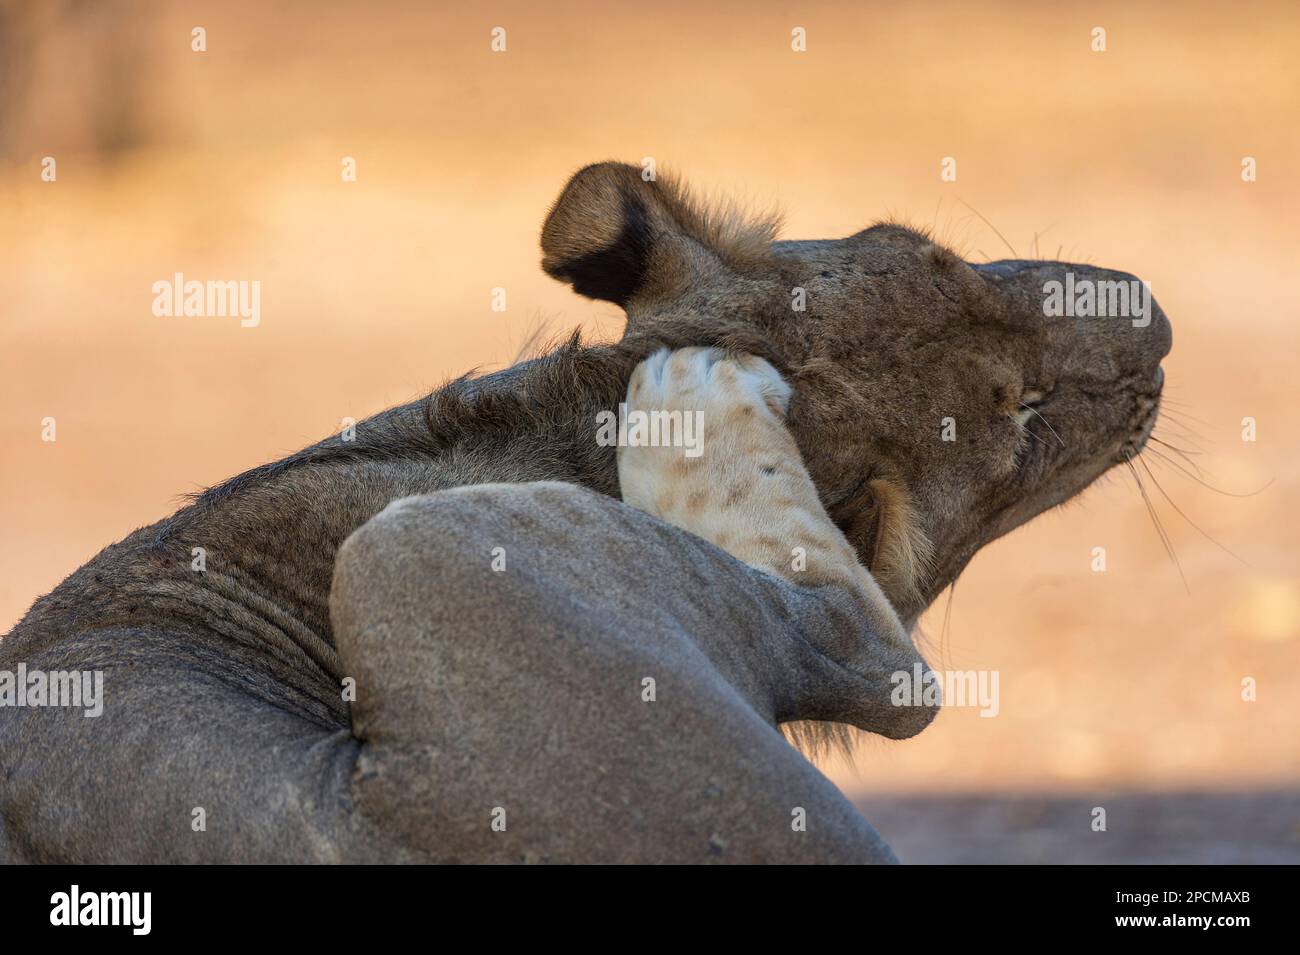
{"x": 614, "y": 235}
{"x": 598, "y": 236}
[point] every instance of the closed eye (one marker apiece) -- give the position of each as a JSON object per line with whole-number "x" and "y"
{"x": 1030, "y": 398}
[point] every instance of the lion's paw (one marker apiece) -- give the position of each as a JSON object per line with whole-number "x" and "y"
{"x": 698, "y": 420}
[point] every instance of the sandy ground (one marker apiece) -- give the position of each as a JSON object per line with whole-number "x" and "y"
{"x": 226, "y": 165}
{"x": 1157, "y": 828}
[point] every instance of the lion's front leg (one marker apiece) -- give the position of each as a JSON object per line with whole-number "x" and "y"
{"x": 737, "y": 478}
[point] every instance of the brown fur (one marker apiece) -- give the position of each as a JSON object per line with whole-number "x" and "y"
{"x": 745, "y": 489}
{"x": 896, "y": 335}
{"x": 226, "y": 683}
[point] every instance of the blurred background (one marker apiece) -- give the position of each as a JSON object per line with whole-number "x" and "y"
{"x": 1120, "y": 689}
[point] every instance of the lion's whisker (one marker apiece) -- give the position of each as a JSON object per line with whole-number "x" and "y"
{"x": 1155, "y": 519}
{"x": 1014, "y": 253}
{"x": 1179, "y": 511}
{"x": 1173, "y": 447}
{"x": 947, "y": 617}
{"x": 1177, "y": 465}
{"x": 1169, "y": 416}
{"x": 1180, "y": 452}
{"x": 1206, "y": 484}
{"x": 1185, "y": 431}
{"x": 1167, "y": 433}
{"x": 1180, "y": 409}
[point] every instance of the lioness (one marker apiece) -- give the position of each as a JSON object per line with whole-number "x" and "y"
{"x": 448, "y": 639}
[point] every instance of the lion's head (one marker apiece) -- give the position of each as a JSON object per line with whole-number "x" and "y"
{"x": 938, "y": 404}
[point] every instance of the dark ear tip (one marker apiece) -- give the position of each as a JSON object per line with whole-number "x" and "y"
{"x": 597, "y": 235}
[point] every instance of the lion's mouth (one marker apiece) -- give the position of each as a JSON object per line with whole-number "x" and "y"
{"x": 1148, "y": 410}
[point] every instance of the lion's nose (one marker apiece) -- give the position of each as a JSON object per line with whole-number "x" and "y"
{"x": 1083, "y": 295}
{"x": 1162, "y": 331}
{"x": 1154, "y": 336}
